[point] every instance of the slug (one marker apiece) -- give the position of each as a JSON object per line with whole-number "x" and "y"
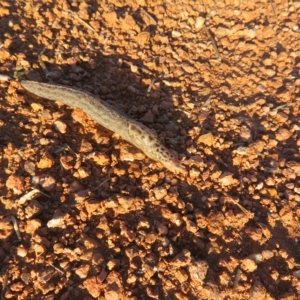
{"x": 130, "y": 130}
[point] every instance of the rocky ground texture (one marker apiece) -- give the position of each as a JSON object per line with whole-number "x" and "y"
{"x": 85, "y": 215}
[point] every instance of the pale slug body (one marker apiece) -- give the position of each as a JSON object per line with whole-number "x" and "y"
{"x": 130, "y": 130}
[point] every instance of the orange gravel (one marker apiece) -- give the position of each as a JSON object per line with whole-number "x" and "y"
{"x": 85, "y": 215}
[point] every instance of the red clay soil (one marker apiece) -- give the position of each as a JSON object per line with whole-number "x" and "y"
{"x": 85, "y": 215}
